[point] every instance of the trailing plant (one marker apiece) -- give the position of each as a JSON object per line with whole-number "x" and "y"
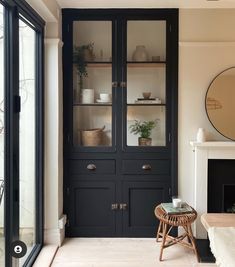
{"x": 80, "y": 62}
{"x": 144, "y": 129}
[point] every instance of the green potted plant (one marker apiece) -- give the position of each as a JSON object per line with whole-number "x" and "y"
{"x": 144, "y": 129}
{"x": 82, "y": 54}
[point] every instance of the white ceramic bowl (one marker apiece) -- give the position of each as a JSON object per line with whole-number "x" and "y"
{"x": 105, "y": 97}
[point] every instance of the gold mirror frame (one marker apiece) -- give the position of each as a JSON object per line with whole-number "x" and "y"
{"x": 220, "y": 103}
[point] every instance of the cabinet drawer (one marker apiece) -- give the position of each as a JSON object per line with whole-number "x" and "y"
{"x": 92, "y": 166}
{"x": 146, "y": 166}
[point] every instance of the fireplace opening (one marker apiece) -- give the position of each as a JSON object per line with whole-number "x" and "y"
{"x": 221, "y": 185}
{"x": 229, "y": 195}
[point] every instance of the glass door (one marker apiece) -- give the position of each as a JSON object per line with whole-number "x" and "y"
{"x": 27, "y": 172}
{"x": 21, "y": 134}
{"x": 92, "y": 84}
{"x": 2, "y": 186}
{"x": 146, "y": 83}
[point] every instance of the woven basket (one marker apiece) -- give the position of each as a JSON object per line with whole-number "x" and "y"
{"x": 92, "y": 137}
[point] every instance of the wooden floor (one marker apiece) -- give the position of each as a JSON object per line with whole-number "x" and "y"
{"x": 122, "y": 252}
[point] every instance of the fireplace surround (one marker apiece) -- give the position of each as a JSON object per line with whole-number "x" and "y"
{"x": 203, "y": 152}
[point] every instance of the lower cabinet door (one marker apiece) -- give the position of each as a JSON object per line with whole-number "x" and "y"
{"x": 91, "y": 212}
{"x": 140, "y": 199}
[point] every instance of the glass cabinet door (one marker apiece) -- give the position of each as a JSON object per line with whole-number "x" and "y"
{"x": 146, "y": 83}
{"x": 92, "y": 83}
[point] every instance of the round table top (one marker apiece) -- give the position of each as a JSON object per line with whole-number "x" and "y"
{"x": 179, "y": 219}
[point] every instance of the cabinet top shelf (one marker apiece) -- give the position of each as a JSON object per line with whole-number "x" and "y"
{"x": 145, "y": 64}
{"x": 146, "y": 104}
{"x": 131, "y": 64}
{"x": 92, "y": 104}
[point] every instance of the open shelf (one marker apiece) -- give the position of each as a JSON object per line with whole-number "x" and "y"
{"x": 93, "y": 104}
{"x": 146, "y": 64}
{"x": 99, "y": 64}
{"x": 146, "y": 104}
{"x": 130, "y": 64}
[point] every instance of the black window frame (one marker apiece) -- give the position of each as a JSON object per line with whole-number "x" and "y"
{"x": 14, "y": 11}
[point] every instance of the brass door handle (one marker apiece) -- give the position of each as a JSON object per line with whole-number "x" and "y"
{"x": 146, "y": 167}
{"x": 114, "y": 206}
{"x": 123, "y": 206}
{"x": 115, "y": 84}
{"x": 91, "y": 167}
{"x": 123, "y": 84}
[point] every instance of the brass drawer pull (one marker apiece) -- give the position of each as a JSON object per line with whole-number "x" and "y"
{"x": 114, "y": 206}
{"x": 123, "y": 84}
{"x": 146, "y": 167}
{"x": 114, "y": 84}
{"x": 123, "y": 206}
{"x": 91, "y": 167}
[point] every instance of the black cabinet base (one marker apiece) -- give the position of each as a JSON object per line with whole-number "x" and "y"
{"x": 204, "y": 251}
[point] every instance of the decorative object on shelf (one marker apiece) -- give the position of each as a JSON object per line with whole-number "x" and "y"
{"x": 140, "y": 53}
{"x": 105, "y": 97}
{"x": 103, "y": 102}
{"x": 201, "y": 135}
{"x": 155, "y": 58}
{"x": 92, "y": 137}
{"x": 146, "y": 95}
{"x": 144, "y": 129}
{"x": 155, "y": 100}
{"x": 87, "y": 52}
{"x": 82, "y": 54}
{"x": 87, "y": 96}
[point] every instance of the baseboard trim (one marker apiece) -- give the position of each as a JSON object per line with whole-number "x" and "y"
{"x": 54, "y": 236}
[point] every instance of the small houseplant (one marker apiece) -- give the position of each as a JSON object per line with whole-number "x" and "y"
{"x": 82, "y": 54}
{"x": 144, "y": 129}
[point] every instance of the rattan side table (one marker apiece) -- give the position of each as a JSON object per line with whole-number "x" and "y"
{"x": 167, "y": 221}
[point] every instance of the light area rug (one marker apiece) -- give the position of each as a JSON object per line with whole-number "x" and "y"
{"x": 222, "y": 243}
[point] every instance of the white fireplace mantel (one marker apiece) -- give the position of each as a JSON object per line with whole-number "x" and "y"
{"x": 204, "y": 151}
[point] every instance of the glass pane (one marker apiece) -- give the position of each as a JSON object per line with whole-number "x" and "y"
{"x": 148, "y": 37}
{"x": 155, "y": 114}
{"x": 27, "y": 135}
{"x": 92, "y": 80}
{"x": 2, "y": 239}
{"x": 95, "y": 131}
{"x": 146, "y": 82}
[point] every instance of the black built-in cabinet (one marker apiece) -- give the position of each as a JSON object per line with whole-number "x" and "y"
{"x": 111, "y": 182}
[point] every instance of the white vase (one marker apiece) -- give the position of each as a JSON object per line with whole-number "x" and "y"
{"x": 87, "y": 96}
{"x": 201, "y": 135}
{"x": 140, "y": 53}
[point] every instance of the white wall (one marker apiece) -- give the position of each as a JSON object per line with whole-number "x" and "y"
{"x": 53, "y": 160}
{"x": 206, "y": 48}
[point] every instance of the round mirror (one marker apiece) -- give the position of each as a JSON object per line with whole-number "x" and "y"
{"x": 220, "y": 103}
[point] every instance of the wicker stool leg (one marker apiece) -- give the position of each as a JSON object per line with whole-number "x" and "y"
{"x": 159, "y": 230}
{"x": 164, "y": 234}
{"x": 193, "y": 243}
